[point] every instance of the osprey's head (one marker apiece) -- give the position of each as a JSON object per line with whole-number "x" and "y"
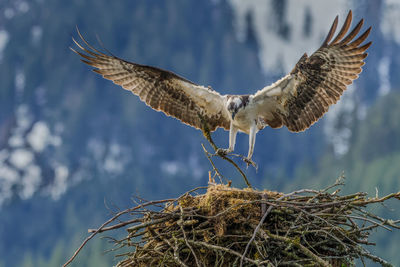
{"x": 235, "y": 103}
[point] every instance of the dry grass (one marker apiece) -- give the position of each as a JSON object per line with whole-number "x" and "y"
{"x": 226, "y": 226}
{"x": 244, "y": 227}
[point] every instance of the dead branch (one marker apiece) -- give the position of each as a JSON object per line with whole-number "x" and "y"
{"x": 228, "y": 225}
{"x": 207, "y": 135}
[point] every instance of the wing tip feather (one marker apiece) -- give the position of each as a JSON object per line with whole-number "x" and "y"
{"x": 352, "y": 34}
{"x": 331, "y": 31}
{"x": 344, "y": 29}
{"x": 350, "y": 54}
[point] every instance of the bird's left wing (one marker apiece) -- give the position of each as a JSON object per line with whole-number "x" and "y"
{"x": 160, "y": 89}
{"x": 299, "y": 99}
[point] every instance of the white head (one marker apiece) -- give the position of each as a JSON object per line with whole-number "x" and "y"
{"x": 235, "y": 103}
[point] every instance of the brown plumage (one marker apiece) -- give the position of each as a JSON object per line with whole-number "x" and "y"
{"x": 160, "y": 89}
{"x": 324, "y": 76}
{"x": 296, "y": 101}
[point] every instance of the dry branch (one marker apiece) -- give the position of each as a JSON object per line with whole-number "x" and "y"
{"x": 227, "y": 226}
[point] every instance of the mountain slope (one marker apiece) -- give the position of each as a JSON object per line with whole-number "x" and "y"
{"x": 69, "y": 139}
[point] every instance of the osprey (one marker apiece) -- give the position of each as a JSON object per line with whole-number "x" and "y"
{"x": 296, "y": 101}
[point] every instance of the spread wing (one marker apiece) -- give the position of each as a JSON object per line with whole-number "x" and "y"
{"x": 160, "y": 89}
{"x": 316, "y": 82}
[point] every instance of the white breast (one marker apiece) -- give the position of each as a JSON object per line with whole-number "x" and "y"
{"x": 246, "y": 117}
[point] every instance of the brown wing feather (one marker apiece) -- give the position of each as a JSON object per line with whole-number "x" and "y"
{"x": 160, "y": 89}
{"x": 322, "y": 78}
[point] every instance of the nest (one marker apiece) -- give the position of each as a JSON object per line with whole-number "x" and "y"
{"x": 244, "y": 227}
{"x": 223, "y": 226}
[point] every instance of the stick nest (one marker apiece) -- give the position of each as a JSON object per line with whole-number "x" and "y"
{"x": 223, "y": 226}
{"x": 244, "y": 227}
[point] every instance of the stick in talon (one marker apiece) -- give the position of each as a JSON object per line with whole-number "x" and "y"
{"x": 250, "y": 162}
{"x": 223, "y": 151}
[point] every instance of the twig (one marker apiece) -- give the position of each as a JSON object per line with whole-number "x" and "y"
{"x": 262, "y": 221}
{"x": 207, "y": 135}
{"x": 377, "y": 200}
{"x": 109, "y": 221}
{"x": 237, "y": 168}
{"x": 116, "y": 226}
{"x": 231, "y": 162}
{"x": 210, "y": 246}
{"x": 176, "y": 255}
{"x": 186, "y": 240}
{"x": 305, "y": 250}
{"x": 305, "y": 227}
{"x": 213, "y": 165}
{"x": 374, "y": 258}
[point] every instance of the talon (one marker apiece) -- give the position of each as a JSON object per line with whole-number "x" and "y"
{"x": 223, "y": 151}
{"x": 249, "y": 162}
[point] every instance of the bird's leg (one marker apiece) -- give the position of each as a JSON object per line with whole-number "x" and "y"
{"x": 252, "y": 140}
{"x": 232, "y": 140}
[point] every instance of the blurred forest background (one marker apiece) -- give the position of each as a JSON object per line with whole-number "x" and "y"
{"x": 74, "y": 147}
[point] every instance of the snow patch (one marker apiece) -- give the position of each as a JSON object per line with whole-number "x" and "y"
{"x": 39, "y": 137}
{"x": 190, "y": 167}
{"x": 16, "y": 140}
{"x": 195, "y": 168}
{"x": 20, "y": 172}
{"x": 22, "y": 6}
{"x": 338, "y": 122}
{"x": 40, "y": 96}
{"x": 80, "y": 174}
{"x": 283, "y": 38}
{"x": 21, "y": 158}
{"x": 19, "y": 81}
{"x": 30, "y": 181}
{"x": 4, "y": 37}
{"x": 384, "y": 76}
{"x": 362, "y": 111}
{"x": 23, "y": 117}
{"x": 59, "y": 185}
{"x": 8, "y": 177}
{"x": 170, "y": 167}
{"x": 36, "y": 33}
{"x": 9, "y": 13}
{"x": 96, "y": 148}
{"x": 113, "y": 162}
{"x": 8, "y": 174}
{"x": 111, "y": 158}
{"x": 390, "y": 20}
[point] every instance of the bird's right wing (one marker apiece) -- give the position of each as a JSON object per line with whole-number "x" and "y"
{"x": 316, "y": 82}
{"x": 160, "y": 89}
